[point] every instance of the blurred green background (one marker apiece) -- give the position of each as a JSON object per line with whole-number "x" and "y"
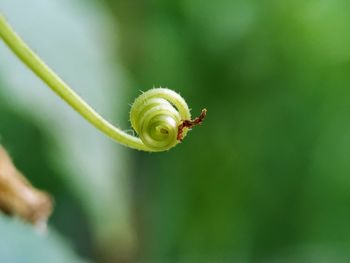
{"x": 265, "y": 179}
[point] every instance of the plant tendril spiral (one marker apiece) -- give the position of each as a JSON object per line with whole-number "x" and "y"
{"x": 158, "y": 115}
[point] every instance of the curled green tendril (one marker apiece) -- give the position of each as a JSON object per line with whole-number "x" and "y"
{"x": 156, "y": 115}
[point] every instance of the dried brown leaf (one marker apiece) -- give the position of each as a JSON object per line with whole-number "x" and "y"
{"x": 18, "y": 197}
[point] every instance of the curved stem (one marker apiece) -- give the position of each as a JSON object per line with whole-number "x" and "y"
{"x": 28, "y": 57}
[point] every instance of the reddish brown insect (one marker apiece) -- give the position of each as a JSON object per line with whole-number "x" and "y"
{"x": 190, "y": 124}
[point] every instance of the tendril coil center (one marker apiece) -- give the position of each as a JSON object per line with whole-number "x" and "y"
{"x": 156, "y": 115}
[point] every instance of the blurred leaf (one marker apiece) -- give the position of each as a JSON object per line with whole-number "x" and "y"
{"x": 20, "y": 243}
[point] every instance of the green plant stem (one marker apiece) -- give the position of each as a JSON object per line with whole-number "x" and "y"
{"x": 28, "y": 57}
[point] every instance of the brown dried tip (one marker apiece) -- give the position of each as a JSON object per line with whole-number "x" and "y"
{"x": 19, "y": 198}
{"x": 189, "y": 124}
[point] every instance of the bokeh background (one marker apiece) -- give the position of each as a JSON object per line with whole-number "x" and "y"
{"x": 265, "y": 179}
